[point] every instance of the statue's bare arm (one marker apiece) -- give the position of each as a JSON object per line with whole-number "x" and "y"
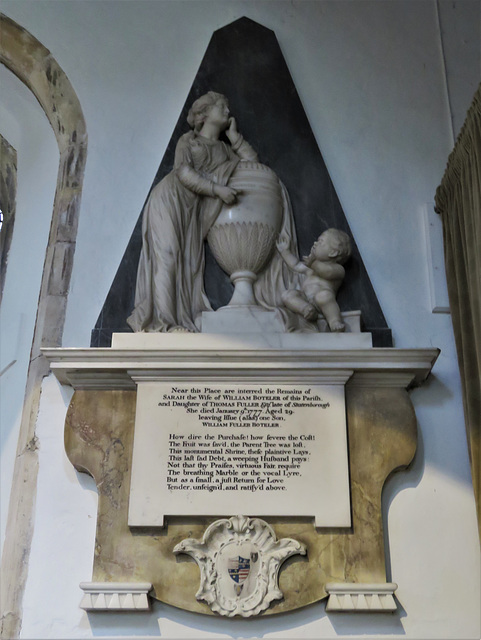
{"x": 289, "y": 258}
{"x": 204, "y": 187}
{"x": 242, "y": 148}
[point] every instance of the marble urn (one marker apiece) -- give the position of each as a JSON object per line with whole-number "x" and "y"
{"x": 243, "y": 237}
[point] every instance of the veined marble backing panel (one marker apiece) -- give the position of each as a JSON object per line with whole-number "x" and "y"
{"x": 382, "y": 438}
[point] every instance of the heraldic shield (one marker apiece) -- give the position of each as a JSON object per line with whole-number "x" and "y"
{"x": 239, "y": 569}
{"x": 239, "y": 561}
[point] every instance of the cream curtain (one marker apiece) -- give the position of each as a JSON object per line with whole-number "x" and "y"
{"x": 458, "y": 200}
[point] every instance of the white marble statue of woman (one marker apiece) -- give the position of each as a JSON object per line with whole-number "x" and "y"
{"x": 170, "y": 293}
{"x": 170, "y": 279}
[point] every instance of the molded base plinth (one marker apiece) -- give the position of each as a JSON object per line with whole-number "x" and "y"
{"x": 372, "y": 598}
{"x": 115, "y": 596}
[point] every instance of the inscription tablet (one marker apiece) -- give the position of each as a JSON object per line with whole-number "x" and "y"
{"x": 218, "y": 449}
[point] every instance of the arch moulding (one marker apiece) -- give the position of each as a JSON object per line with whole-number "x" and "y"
{"x": 35, "y": 66}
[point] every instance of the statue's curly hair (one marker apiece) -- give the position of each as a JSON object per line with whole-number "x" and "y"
{"x": 200, "y": 108}
{"x": 340, "y": 241}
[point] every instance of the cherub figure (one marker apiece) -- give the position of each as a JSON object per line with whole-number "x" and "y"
{"x": 322, "y": 273}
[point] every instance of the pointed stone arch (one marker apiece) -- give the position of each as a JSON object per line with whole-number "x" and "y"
{"x": 35, "y": 66}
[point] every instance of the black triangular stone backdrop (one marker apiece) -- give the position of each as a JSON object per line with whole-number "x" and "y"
{"x": 244, "y": 62}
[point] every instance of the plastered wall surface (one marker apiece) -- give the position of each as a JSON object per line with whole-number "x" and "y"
{"x": 371, "y": 79}
{"x": 26, "y": 127}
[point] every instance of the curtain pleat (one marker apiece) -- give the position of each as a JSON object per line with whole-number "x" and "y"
{"x": 458, "y": 200}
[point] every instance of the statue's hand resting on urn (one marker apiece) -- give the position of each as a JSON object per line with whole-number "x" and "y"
{"x": 226, "y": 194}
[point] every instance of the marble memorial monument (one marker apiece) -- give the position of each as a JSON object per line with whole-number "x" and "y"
{"x": 247, "y": 434}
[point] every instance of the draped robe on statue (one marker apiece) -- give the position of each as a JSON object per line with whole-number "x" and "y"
{"x": 178, "y": 215}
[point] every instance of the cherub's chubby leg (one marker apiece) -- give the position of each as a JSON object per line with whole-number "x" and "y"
{"x": 326, "y": 303}
{"x": 297, "y": 302}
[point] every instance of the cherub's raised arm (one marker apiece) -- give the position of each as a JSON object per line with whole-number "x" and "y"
{"x": 289, "y": 258}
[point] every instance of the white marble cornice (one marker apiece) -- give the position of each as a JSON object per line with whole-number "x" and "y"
{"x": 206, "y": 358}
